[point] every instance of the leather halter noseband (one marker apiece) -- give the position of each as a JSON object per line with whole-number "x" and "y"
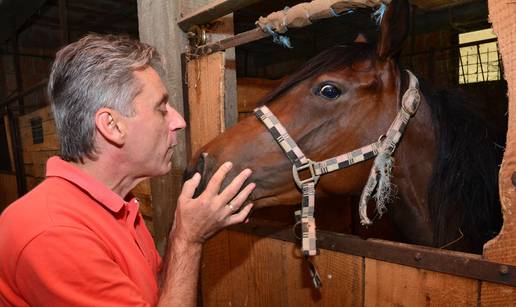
{"x": 385, "y": 145}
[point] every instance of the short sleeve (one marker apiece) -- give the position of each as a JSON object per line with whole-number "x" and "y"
{"x": 67, "y": 266}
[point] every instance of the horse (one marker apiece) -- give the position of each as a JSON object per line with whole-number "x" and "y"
{"x": 445, "y": 166}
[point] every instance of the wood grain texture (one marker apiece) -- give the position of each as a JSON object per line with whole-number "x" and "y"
{"x": 8, "y": 135}
{"x": 503, "y": 247}
{"x": 341, "y": 276}
{"x": 389, "y": 284}
{"x": 216, "y": 279}
{"x": 157, "y": 27}
{"x": 8, "y": 190}
{"x": 206, "y": 98}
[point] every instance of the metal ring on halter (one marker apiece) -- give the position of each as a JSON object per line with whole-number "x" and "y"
{"x": 295, "y": 173}
{"x": 381, "y": 138}
{"x": 294, "y": 230}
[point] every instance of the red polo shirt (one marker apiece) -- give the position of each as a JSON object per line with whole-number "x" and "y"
{"x": 72, "y": 241}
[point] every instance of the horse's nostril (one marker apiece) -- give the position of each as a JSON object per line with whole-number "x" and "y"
{"x": 200, "y": 167}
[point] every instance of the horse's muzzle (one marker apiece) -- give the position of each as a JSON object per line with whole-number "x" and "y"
{"x": 197, "y": 167}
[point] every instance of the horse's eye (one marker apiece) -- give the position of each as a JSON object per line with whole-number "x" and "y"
{"x": 329, "y": 91}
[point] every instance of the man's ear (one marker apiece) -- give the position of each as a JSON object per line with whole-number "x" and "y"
{"x": 110, "y": 126}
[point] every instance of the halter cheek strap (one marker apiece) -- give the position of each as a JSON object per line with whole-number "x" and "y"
{"x": 384, "y": 147}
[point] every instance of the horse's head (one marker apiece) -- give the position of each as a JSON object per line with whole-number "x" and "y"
{"x": 346, "y": 98}
{"x": 340, "y": 100}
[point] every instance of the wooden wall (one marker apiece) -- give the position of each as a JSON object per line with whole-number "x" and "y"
{"x": 247, "y": 270}
{"x": 8, "y": 190}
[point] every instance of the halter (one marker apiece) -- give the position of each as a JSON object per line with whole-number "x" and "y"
{"x": 382, "y": 149}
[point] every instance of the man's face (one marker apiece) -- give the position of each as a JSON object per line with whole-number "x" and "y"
{"x": 151, "y": 132}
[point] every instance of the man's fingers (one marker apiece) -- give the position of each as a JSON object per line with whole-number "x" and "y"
{"x": 190, "y": 185}
{"x": 216, "y": 180}
{"x": 240, "y": 216}
{"x": 237, "y": 202}
{"x": 232, "y": 189}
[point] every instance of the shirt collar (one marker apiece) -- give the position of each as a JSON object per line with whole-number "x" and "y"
{"x": 56, "y": 167}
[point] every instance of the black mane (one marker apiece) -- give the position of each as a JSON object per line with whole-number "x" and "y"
{"x": 464, "y": 184}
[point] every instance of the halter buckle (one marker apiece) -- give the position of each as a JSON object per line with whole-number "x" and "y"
{"x": 295, "y": 173}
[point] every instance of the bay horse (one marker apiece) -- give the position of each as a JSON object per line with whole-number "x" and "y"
{"x": 445, "y": 166}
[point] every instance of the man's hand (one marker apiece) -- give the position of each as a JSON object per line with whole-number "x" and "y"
{"x": 198, "y": 219}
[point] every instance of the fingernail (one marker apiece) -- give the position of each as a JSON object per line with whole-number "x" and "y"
{"x": 196, "y": 176}
{"x": 246, "y": 221}
{"x": 248, "y": 171}
{"x": 228, "y": 164}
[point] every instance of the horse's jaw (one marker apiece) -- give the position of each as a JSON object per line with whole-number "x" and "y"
{"x": 288, "y": 198}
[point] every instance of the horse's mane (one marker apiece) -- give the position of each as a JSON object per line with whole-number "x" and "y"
{"x": 464, "y": 184}
{"x": 329, "y": 60}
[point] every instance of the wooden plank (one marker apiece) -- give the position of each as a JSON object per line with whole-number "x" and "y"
{"x": 341, "y": 276}
{"x": 205, "y": 92}
{"x": 258, "y": 271}
{"x": 8, "y": 190}
{"x": 157, "y": 27}
{"x": 9, "y": 142}
{"x": 216, "y": 279}
{"x": 143, "y": 188}
{"x": 503, "y": 247}
{"x": 212, "y": 11}
{"x": 45, "y": 114}
{"x": 389, "y": 284}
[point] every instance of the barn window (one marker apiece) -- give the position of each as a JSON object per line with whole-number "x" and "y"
{"x": 479, "y": 57}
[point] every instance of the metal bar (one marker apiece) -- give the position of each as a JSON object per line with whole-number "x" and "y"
{"x": 26, "y": 92}
{"x": 21, "y": 181}
{"x": 433, "y": 259}
{"x": 17, "y": 72}
{"x": 479, "y": 59}
{"x": 212, "y": 11}
{"x": 462, "y": 67}
{"x": 27, "y": 55}
{"x": 63, "y": 22}
{"x": 237, "y": 40}
{"x": 485, "y": 41}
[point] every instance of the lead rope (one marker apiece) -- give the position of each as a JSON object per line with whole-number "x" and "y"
{"x": 382, "y": 150}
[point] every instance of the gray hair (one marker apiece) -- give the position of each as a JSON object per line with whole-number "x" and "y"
{"x": 92, "y": 73}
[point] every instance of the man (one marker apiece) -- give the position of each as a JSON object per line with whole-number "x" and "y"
{"x": 77, "y": 239}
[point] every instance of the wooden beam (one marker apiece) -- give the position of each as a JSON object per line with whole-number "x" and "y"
{"x": 206, "y": 99}
{"x": 212, "y": 11}
{"x": 153, "y": 17}
{"x": 503, "y": 247}
{"x": 63, "y": 22}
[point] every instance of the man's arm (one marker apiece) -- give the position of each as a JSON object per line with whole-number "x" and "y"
{"x": 195, "y": 221}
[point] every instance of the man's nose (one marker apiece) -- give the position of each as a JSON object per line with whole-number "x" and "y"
{"x": 177, "y": 121}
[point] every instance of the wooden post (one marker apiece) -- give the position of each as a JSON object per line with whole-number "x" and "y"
{"x": 63, "y": 22}
{"x": 157, "y": 27}
{"x": 503, "y": 247}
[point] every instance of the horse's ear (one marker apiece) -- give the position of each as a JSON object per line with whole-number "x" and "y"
{"x": 394, "y": 28}
{"x": 360, "y": 38}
